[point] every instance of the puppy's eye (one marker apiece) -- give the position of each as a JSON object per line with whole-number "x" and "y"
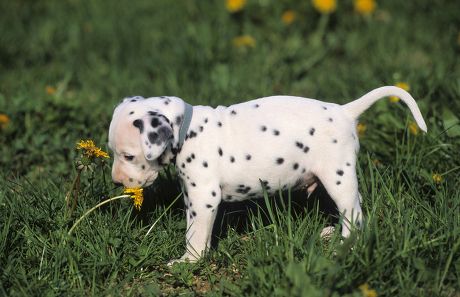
{"x": 129, "y": 158}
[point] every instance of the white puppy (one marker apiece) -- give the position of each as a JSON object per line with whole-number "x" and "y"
{"x": 235, "y": 153}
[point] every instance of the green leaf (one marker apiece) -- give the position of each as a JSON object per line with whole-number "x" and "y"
{"x": 451, "y": 123}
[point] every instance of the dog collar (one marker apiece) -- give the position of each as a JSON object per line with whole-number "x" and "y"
{"x": 188, "y": 113}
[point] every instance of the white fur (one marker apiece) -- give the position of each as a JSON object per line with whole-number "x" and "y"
{"x": 269, "y": 143}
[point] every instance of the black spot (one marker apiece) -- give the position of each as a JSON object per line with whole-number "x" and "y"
{"x": 194, "y": 213}
{"x": 178, "y": 120}
{"x": 192, "y": 134}
{"x": 206, "y": 120}
{"x": 348, "y": 164}
{"x": 191, "y": 204}
{"x": 201, "y": 128}
{"x": 219, "y": 124}
{"x": 324, "y": 107}
{"x": 295, "y": 166}
{"x": 241, "y": 186}
{"x": 338, "y": 183}
{"x": 233, "y": 112}
{"x": 248, "y": 157}
{"x": 299, "y": 144}
{"x": 334, "y": 140}
{"x": 306, "y": 149}
{"x": 220, "y": 152}
{"x": 312, "y": 131}
{"x": 276, "y": 132}
{"x": 303, "y": 170}
{"x": 131, "y": 112}
{"x": 166, "y": 102}
{"x": 152, "y": 113}
{"x": 189, "y": 160}
{"x": 131, "y": 180}
{"x": 256, "y": 105}
{"x": 153, "y": 137}
{"x": 229, "y": 197}
{"x": 193, "y": 184}
{"x": 213, "y": 194}
{"x": 330, "y": 120}
{"x": 340, "y": 172}
{"x": 279, "y": 161}
{"x": 183, "y": 165}
{"x": 208, "y": 205}
{"x": 133, "y": 100}
{"x": 155, "y": 122}
{"x": 232, "y": 159}
{"x": 139, "y": 124}
{"x": 243, "y": 190}
{"x": 205, "y": 164}
{"x": 149, "y": 156}
{"x": 143, "y": 167}
{"x": 192, "y": 155}
{"x": 263, "y": 128}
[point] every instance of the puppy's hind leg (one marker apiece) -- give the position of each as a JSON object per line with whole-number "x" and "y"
{"x": 341, "y": 184}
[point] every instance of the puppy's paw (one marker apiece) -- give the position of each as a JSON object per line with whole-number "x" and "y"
{"x": 327, "y": 232}
{"x": 186, "y": 258}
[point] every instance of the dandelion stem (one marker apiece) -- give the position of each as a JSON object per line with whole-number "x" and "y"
{"x": 97, "y": 206}
{"x": 74, "y": 189}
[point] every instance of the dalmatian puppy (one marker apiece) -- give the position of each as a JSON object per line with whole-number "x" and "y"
{"x": 235, "y": 153}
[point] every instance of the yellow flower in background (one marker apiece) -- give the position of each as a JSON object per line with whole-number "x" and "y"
{"x": 50, "y": 90}
{"x": 361, "y": 128}
{"x": 4, "y": 120}
{"x": 244, "y": 41}
{"x": 376, "y": 162}
{"x": 437, "y": 178}
{"x": 365, "y": 7}
{"x": 413, "y": 128}
{"x": 235, "y": 5}
{"x": 402, "y": 85}
{"x": 90, "y": 149}
{"x": 325, "y": 6}
{"x": 137, "y": 194}
{"x": 366, "y": 291}
{"x": 288, "y": 17}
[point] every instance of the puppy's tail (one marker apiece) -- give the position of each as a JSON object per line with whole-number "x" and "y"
{"x": 355, "y": 108}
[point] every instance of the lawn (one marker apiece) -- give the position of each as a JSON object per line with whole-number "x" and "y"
{"x": 64, "y": 66}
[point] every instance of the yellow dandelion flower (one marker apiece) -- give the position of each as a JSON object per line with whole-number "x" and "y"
{"x": 90, "y": 149}
{"x": 244, "y": 41}
{"x": 234, "y": 5}
{"x": 361, "y": 128}
{"x": 413, "y": 128}
{"x": 366, "y": 291}
{"x": 137, "y": 196}
{"x": 437, "y": 178}
{"x": 325, "y": 6}
{"x": 288, "y": 17}
{"x": 50, "y": 90}
{"x": 4, "y": 120}
{"x": 365, "y": 7}
{"x": 403, "y": 85}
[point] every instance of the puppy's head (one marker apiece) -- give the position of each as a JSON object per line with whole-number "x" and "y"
{"x": 138, "y": 136}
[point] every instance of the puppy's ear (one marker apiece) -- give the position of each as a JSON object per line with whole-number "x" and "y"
{"x": 156, "y": 134}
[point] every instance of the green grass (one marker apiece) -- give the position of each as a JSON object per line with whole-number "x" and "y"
{"x": 95, "y": 53}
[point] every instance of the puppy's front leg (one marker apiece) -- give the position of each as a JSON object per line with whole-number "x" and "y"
{"x": 201, "y": 212}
